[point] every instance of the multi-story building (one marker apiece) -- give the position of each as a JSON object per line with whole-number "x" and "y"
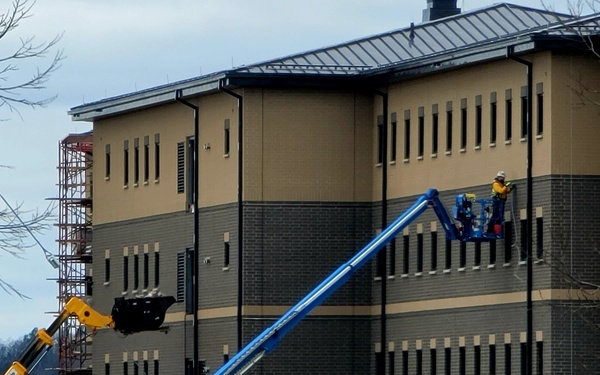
{"x": 302, "y": 160}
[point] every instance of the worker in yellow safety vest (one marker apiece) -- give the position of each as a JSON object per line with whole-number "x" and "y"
{"x": 500, "y": 191}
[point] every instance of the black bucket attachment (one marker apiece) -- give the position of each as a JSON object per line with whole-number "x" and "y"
{"x": 140, "y": 314}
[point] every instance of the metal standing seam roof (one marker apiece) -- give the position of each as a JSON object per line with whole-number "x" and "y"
{"x": 432, "y": 38}
{"x": 370, "y": 55}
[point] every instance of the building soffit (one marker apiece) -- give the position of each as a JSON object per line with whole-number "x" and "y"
{"x": 447, "y": 43}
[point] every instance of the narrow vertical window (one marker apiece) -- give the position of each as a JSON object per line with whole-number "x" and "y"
{"x": 404, "y": 362}
{"x": 448, "y": 127}
{"x": 524, "y": 236}
{"x": 136, "y": 368}
{"x": 434, "y": 250}
{"x": 126, "y": 163}
{"x": 406, "y": 242}
{"x": 136, "y": 161}
{"x": 477, "y": 257}
{"x": 419, "y": 362}
{"x": 393, "y": 138}
{"x": 146, "y": 270}
{"x": 226, "y": 138}
{"x": 524, "y": 112}
{"x": 125, "y": 368}
{"x": 507, "y": 358}
{"x": 540, "y": 108}
{"x": 146, "y": 367}
{"x": 462, "y": 360}
{"x": 493, "y": 252}
{"x": 225, "y": 358}
{"x": 180, "y": 167}
{"x": 125, "y": 273}
{"x": 434, "y": 129}
{"x": 493, "y": 118}
{"x": 106, "y": 266}
{"x": 508, "y": 115}
{"x": 540, "y": 357}
{"x": 507, "y": 242}
{"x": 391, "y": 362}
{"x": 107, "y": 369}
{"x": 477, "y": 360}
{"x": 432, "y": 361}
{"x": 463, "y": 124}
{"x": 448, "y": 254}
{"x": 156, "y": 268}
{"x": 407, "y": 134}
{"x": 379, "y": 139}
{"x": 478, "y": 120}
{"x": 421, "y": 132}
{"x": 226, "y": 249}
{"x": 462, "y": 259}
{"x": 539, "y": 224}
{"x": 492, "y": 360}
{"x": 136, "y": 271}
{"x": 156, "y": 367}
{"x": 107, "y": 163}
{"x": 146, "y": 159}
{"x": 380, "y": 362}
{"x": 393, "y": 257}
{"x": 156, "y": 157}
{"x": 419, "y": 252}
{"x": 448, "y": 361}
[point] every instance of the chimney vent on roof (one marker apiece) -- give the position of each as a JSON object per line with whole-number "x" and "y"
{"x": 437, "y": 9}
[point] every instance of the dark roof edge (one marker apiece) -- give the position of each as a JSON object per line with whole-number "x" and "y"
{"x": 146, "y": 98}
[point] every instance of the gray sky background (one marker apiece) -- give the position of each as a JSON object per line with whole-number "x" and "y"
{"x": 114, "y": 47}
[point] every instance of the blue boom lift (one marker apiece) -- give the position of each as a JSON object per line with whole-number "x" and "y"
{"x": 471, "y": 227}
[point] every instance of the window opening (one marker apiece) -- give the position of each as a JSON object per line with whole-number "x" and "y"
{"x": 421, "y": 144}
{"x": 463, "y": 124}
{"x": 126, "y": 163}
{"x": 156, "y": 157}
{"x": 136, "y": 161}
{"x": 493, "y": 118}
{"x": 508, "y": 115}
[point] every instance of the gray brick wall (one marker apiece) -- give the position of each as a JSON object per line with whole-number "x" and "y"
{"x": 290, "y": 247}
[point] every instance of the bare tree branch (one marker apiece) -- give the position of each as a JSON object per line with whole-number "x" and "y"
{"x": 12, "y": 85}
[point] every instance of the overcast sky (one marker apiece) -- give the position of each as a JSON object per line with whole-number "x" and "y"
{"x": 114, "y": 47}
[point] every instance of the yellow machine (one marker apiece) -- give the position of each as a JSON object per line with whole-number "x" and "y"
{"x": 128, "y": 316}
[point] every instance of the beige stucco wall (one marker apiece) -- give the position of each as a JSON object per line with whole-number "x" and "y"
{"x": 320, "y": 145}
{"x": 113, "y": 201}
{"x": 575, "y": 114}
{"x": 307, "y": 145}
{"x": 471, "y": 165}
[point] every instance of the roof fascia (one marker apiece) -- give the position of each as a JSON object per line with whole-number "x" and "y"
{"x": 144, "y": 99}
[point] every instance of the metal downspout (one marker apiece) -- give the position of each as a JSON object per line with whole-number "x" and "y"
{"x": 384, "y": 176}
{"x": 178, "y": 95}
{"x": 529, "y": 209}
{"x": 240, "y": 211}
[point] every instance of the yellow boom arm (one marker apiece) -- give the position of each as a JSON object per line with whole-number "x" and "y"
{"x": 43, "y": 339}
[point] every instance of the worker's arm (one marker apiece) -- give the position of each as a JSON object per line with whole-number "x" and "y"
{"x": 501, "y": 189}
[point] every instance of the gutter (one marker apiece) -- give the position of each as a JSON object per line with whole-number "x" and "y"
{"x": 240, "y": 209}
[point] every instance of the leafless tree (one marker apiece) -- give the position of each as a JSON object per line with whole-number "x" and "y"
{"x": 16, "y": 87}
{"x": 18, "y": 230}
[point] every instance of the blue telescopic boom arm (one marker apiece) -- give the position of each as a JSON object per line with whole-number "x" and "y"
{"x": 270, "y": 338}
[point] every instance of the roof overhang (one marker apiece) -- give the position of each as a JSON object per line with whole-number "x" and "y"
{"x": 366, "y": 81}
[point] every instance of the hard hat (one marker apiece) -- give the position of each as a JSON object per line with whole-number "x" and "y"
{"x": 501, "y": 174}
